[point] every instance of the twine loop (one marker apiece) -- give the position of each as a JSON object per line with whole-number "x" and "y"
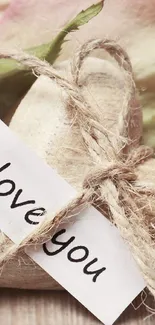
{"x": 129, "y": 205}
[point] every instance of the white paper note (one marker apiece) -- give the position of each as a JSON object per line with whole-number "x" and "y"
{"x": 87, "y": 256}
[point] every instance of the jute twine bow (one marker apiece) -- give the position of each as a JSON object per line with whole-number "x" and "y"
{"x": 115, "y": 184}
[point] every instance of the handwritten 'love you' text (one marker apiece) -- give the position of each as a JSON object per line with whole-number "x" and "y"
{"x": 8, "y": 188}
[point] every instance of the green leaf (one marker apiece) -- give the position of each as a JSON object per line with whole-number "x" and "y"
{"x": 11, "y": 67}
{"x": 82, "y": 18}
{"x": 15, "y": 79}
{"x": 50, "y": 51}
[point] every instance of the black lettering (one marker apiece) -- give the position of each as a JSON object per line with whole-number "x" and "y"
{"x": 7, "y": 181}
{"x": 16, "y": 205}
{"x": 83, "y": 248}
{"x": 4, "y": 167}
{"x": 96, "y": 272}
{"x": 34, "y": 212}
{"x": 56, "y": 242}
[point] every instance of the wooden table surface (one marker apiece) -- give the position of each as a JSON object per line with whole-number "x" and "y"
{"x": 20, "y": 307}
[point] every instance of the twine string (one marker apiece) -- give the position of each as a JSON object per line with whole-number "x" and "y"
{"x": 114, "y": 184}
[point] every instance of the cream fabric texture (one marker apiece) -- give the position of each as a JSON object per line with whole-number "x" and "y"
{"x": 43, "y": 123}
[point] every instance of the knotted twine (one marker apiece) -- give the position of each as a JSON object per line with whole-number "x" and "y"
{"x": 114, "y": 185}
